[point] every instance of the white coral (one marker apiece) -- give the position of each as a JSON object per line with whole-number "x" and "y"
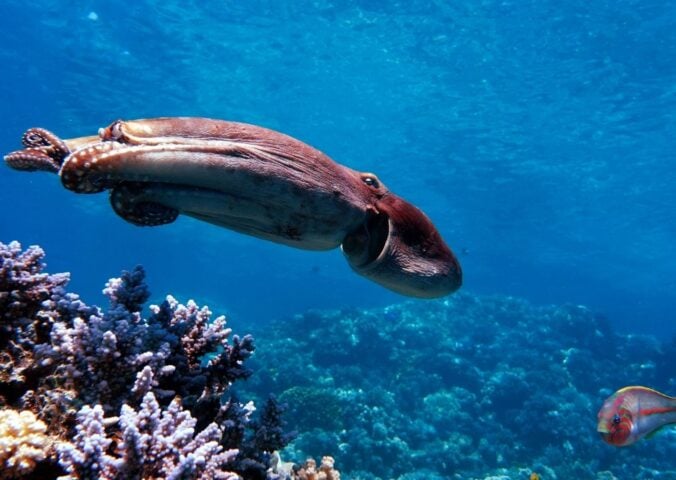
{"x": 23, "y": 442}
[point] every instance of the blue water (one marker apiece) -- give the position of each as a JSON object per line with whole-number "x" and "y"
{"x": 538, "y": 136}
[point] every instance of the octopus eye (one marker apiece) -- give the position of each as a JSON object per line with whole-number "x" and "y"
{"x": 112, "y": 132}
{"x": 116, "y": 130}
{"x": 371, "y": 181}
{"x": 616, "y": 419}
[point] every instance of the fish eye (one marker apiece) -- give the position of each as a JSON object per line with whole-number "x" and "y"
{"x": 616, "y": 419}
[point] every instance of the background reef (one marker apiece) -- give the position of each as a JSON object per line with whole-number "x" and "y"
{"x": 467, "y": 387}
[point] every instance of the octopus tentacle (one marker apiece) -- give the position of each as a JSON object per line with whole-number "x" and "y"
{"x": 50, "y": 144}
{"x": 88, "y": 169}
{"x": 33, "y": 137}
{"x": 32, "y": 160}
{"x": 236, "y": 212}
{"x": 81, "y": 172}
{"x": 127, "y": 201}
{"x": 218, "y": 165}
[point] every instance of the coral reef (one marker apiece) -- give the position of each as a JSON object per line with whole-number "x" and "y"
{"x": 468, "y": 387}
{"x": 120, "y": 395}
{"x": 464, "y": 388}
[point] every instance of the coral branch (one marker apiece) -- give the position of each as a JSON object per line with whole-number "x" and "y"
{"x": 124, "y": 396}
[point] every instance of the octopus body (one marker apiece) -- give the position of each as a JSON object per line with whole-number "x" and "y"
{"x": 255, "y": 181}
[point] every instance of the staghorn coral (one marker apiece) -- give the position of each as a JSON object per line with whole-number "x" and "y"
{"x": 23, "y": 286}
{"x": 23, "y": 443}
{"x": 24, "y": 324}
{"x": 119, "y": 348}
{"x": 204, "y": 362}
{"x": 32, "y": 303}
{"x": 101, "y": 379}
{"x": 155, "y": 443}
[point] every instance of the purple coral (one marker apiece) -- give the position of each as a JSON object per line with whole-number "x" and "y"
{"x": 29, "y": 308}
{"x": 205, "y": 362}
{"x": 23, "y": 286}
{"x": 129, "y": 372}
{"x": 129, "y": 291}
{"x": 155, "y": 443}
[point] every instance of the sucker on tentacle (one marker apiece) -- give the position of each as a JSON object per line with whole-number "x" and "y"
{"x": 52, "y": 145}
{"x": 255, "y": 181}
{"x": 32, "y": 160}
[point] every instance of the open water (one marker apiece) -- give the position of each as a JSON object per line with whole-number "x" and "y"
{"x": 537, "y": 135}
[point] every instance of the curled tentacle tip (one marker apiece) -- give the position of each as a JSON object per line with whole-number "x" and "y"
{"x": 35, "y": 137}
{"x": 47, "y": 143}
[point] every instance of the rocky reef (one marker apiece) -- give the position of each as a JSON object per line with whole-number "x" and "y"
{"x": 464, "y": 388}
{"x": 109, "y": 394}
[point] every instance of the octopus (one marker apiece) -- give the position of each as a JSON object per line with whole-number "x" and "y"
{"x": 255, "y": 181}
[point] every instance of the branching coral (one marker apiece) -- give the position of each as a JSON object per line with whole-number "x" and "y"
{"x": 108, "y": 383}
{"x": 155, "y": 443}
{"x": 24, "y": 324}
{"x": 22, "y": 284}
{"x": 203, "y": 362}
{"x": 267, "y": 436}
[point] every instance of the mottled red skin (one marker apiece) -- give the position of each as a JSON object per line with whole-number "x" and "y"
{"x": 255, "y": 181}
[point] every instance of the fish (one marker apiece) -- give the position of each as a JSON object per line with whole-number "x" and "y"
{"x": 634, "y": 412}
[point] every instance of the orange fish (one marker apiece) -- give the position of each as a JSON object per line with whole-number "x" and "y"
{"x": 631, "y": 413}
